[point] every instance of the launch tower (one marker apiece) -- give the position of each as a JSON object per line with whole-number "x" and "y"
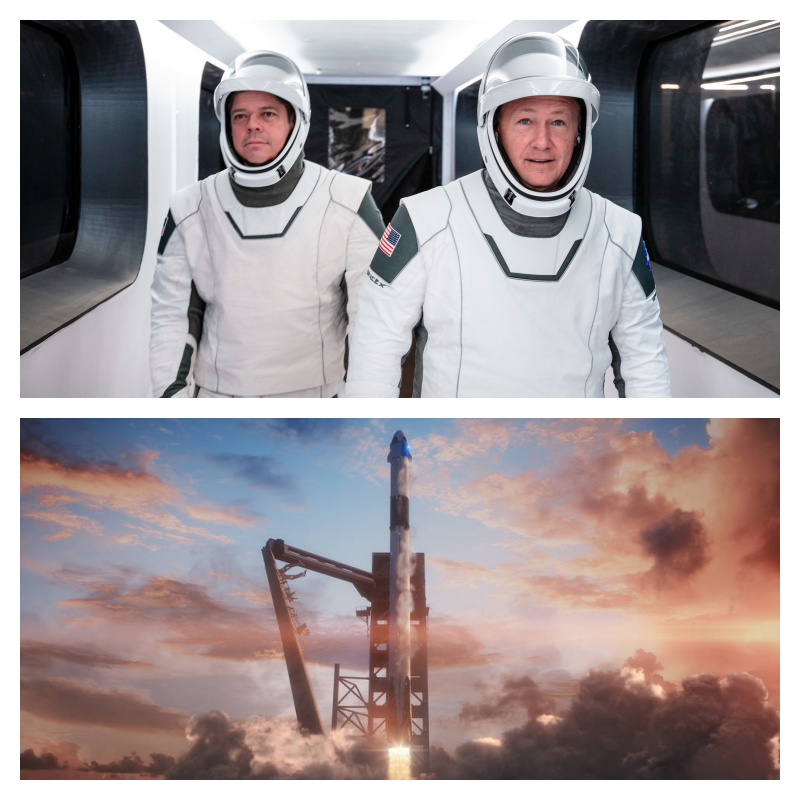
{"x": 390, "y": 705}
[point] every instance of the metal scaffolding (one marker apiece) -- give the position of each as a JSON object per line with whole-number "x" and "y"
{"x": 363, "y": 710}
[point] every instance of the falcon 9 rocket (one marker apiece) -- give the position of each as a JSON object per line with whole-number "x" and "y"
{"x": 398, "y": 694}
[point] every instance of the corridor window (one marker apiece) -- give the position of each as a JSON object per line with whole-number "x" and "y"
{"x": 49, "y": 189}
{"x": 710, "y": 155}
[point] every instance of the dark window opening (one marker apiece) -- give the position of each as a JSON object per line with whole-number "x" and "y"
{"x": 709, "y": 149}
{"x": 209, "y": 161}
{"x": 49, "y": 149}
{"x": 742, "y": 163}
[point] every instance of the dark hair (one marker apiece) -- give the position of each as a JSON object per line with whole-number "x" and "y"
{"x": 286, "y": 104}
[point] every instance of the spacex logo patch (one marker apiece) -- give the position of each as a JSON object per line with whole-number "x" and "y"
{"x": 375, "y": 280}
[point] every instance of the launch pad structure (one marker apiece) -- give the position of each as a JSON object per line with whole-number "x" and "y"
{"x": 388, "y": 706}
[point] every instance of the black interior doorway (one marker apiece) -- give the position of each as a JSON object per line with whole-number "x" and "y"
{"x": 413, "y": 135}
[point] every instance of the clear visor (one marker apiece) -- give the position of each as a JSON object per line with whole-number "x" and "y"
{"x": 533, "y": 87}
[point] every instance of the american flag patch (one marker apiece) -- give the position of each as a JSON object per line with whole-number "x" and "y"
{"x": 389, "y": 240}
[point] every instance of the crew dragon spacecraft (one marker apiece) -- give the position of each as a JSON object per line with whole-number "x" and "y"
{"x": 392, "y": 708}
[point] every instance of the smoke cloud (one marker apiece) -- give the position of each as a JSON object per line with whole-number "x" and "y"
{"x": 517, "y": 693}
{"x": 621, "y": 725}
{"x": 269, "y": 749}
{"x": 29, "y": 760}
{"x": 619, "y": 728}
{"x": 679, "y": 544}
{"x": 133, "y": 764}
{"x": 645, "y": 665}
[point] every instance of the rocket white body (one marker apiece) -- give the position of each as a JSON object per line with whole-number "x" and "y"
{"x": 398, "y": 697}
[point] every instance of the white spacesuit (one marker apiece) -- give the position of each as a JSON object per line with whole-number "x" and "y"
{"x": 257, "y": 281}
{"x": 513, "y": 292}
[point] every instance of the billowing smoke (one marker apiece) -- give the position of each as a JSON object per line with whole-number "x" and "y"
{"x": 630, "y": 724}
{"x": 618, "y": 728}
{"x": 515, "y": 694}
{"x": 133, "y": 764}
{"x": 29, "y": 760}
{"x": 644, "y": 666}
{"x": 679, "y": 544}
{"x": 269, "y": 749}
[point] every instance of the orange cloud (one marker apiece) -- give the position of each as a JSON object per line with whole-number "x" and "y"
{"x": 110, "y": 485}
{"x": 81, "y": 703}
{"x": 182, "y": 616}
{"x": 137, "y": 493}
{"x": 132, "y": 540}
{"x": 218, "y": 515}
{"x": 617, "y": 522}
{"x": 39, "y": 655}
{"x": 64, "y": 533}
{"x": 452, "y": 646}
{"x": 69, "y": 523}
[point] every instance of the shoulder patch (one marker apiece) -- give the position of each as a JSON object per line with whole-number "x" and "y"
{"x": 396, "y": 248}
{"x": 371, "y": 214}
{"x": 643, "y": 271}
{"x": 166, "y": 232}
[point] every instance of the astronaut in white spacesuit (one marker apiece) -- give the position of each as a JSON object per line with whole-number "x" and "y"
{"x": 518, "y": 281}
{"x": 259, "y": 266}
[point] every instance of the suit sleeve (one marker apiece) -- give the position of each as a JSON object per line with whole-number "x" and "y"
{"x": 390, "y": 305}
{"x": 638, "y": 352}
{"x": 364, "y": 235}
{"x": 176, "y": 317}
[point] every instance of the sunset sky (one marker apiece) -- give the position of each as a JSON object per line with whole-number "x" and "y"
{"x": 552, "y": 548}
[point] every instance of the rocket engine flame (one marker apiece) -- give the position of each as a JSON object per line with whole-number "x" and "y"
{"x": 399, "y": 764}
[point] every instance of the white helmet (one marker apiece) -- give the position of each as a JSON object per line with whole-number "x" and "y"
{"x": 263, "y": 71}
{"x": 530, "y": 65}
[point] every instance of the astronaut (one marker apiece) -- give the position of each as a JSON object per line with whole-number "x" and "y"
{"x": 259, "y": 266}
{"x": 518, "y": 281}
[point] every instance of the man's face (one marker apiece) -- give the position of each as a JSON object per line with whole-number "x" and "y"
{"x": 539, "y": 135}
{"x": 260, "y": 126}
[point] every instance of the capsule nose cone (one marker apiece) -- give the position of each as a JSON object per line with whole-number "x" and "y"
{"x": 399, "y": 437}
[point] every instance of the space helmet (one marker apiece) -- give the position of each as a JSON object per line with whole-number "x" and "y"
{"x": 530, "y": 65}
{"x": 263, "y": 71}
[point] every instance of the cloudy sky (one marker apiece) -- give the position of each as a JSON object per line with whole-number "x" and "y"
{"x": 552, "y": 548}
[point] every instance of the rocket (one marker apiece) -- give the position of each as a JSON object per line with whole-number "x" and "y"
{"x": 398, "y": 693}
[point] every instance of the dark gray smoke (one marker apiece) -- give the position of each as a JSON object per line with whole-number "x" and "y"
{"x": 29, "y": 760}
{"x": 621, "y": 725}
{"x": 133, "y": 765}
{"x": 679, "y": 545}
{"x": 620, "y": 729}
{"x": 515, "y": 694}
